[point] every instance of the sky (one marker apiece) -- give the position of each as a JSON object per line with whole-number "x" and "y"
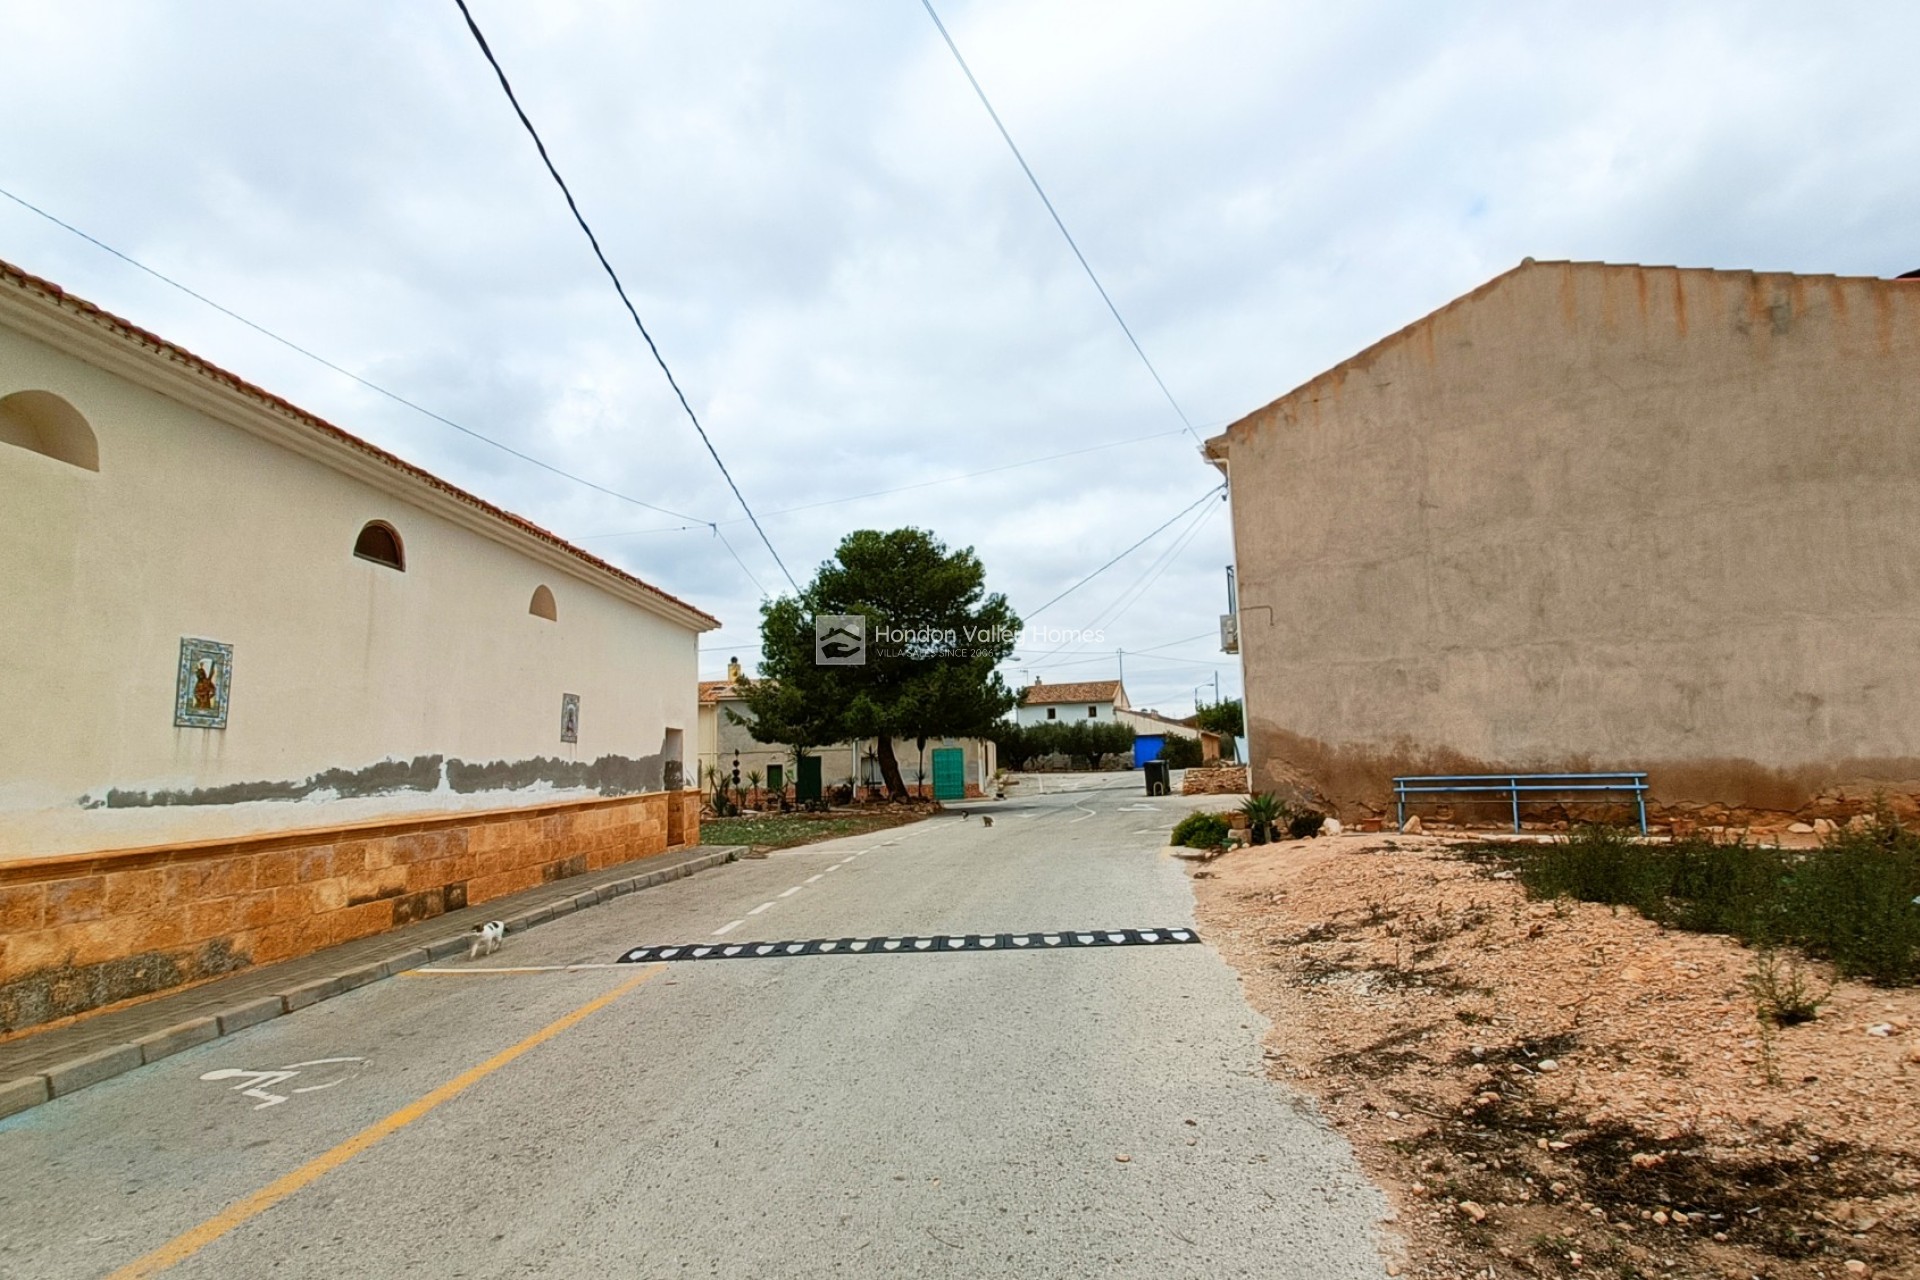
{"x": 864, "y": 300}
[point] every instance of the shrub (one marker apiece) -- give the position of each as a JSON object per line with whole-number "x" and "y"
{"x": 1263, "y": 813}
{"x": 1200, "y": 831}
{"x": 1856, "y": 901}
{"x": 1181, "y": 753}
{"x": 1304, "y": 824}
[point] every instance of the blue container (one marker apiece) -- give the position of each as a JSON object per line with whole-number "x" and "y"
{"x": 1147, "y": 747}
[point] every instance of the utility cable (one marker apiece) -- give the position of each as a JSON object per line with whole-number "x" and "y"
{"x": 619, "y": 288}
{"x": 375, "y": 387}
{"x": 1041, "y": 192}
{"x": 1028, "y": 617}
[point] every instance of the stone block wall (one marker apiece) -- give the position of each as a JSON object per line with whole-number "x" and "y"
{"x": 81, "y": 932}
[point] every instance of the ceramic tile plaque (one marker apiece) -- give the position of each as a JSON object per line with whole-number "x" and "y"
{"x": 569, "y": 717}
{"x": 200, "y": 695}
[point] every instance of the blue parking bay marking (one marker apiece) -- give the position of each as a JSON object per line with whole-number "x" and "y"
{"x": 1064, "y": 940}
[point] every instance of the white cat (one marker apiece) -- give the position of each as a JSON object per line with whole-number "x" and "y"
{"x": 486, "y": 939}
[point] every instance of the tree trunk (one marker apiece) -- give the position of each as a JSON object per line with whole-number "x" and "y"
{"x": 890, "y": 768}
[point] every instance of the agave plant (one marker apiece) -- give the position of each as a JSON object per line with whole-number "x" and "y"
{"x": 1263, "y": 813}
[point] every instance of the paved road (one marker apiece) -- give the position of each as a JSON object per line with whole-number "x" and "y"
{"x": 940, "y": 1115}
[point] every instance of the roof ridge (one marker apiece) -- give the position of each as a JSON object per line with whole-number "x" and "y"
{"x": 25, "y": 280}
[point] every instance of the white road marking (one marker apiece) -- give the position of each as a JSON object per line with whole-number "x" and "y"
{"x": 729, "y": 927}
{"x": 255, "y": 1082}
{"x": 812, "y": 878}
{"x": 1089, "y": 813}
{"x": 836, "y": 866}
{"x": 757, "y": 910}
{"x": 788, "y": 893}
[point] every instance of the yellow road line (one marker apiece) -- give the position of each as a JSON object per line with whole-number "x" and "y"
{"x": 188, "y": 1243}
{"x": 524, "y": 968}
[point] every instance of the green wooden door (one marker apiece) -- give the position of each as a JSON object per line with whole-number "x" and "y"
{"x": 806, "y": 781}
{"x": 949, "y": 773}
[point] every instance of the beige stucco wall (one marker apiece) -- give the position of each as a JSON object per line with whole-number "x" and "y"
{"x": 1611, "y": 516}
{"x": 194, "y": 526}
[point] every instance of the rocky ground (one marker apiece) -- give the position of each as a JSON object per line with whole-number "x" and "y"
{"x": 1560, "y": 1089}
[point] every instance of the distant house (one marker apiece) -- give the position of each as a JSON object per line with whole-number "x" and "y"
{"x": 727, "y": 746}
{"x": 1095, "y": 700}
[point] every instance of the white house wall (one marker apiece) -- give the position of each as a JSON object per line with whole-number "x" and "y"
{"x": 367, "y": 690}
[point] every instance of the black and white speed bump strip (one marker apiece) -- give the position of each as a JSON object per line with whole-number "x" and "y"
{"x": 1061, "y": 940}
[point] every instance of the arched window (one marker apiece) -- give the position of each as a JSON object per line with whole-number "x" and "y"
{"x": 380, "y": 544}
{"x": 542, "y": 606}
{"x": 42, "y": 422}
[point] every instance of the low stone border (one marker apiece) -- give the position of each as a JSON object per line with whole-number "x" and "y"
{"x": 103, "y": 1064}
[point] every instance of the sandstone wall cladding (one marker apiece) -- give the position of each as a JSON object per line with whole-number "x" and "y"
{"x": 78, "y": 933}
{"x": 1226, "y": 780}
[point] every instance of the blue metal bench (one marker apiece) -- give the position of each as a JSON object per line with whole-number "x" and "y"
{"x": 1513, "y": 785}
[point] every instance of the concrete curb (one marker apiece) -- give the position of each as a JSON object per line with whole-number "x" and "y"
{"x": 68, "y": 1077}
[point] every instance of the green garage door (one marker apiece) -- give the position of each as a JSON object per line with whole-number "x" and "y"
{"x": 949, "y": 773}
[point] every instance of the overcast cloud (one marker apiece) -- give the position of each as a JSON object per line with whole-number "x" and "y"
{"x": 848, "y": 272}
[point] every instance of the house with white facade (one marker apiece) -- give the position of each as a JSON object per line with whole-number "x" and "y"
{"x": 268, "y": 687}
{"x": 1094, "y": 700}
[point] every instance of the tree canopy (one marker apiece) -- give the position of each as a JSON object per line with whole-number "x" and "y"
{"x": 1221, "y": 717}
{"x": 934, "y": 636}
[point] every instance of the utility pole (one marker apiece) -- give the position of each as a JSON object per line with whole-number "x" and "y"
{"x": 1216, "y": 688}
{"x": 1121, "y": 654}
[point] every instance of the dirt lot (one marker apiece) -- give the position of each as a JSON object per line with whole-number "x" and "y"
{"x": 1556, "y": 1089}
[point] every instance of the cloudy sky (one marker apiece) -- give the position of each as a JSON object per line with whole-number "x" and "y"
{"x": 864, "y": 300}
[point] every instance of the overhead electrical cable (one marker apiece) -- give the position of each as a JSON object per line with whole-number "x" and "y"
{"x": 905, "y": 488}
{"x": 619, "y": 288}
{"x": 1132, "y": 593}
{"x": 1040, "y": 191}
{"x": 1158, "y": 529}
{"x": 344, "y": 372}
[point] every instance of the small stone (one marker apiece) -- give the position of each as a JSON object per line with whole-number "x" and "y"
{"x": 1855, "y": 1267}
{"x": 1411, "y": 827}
{"x": 1331, "y": 827}
{"x": 1720, "y": 1237}
{"x": 1659, "y": 1219}
{"x": 1123, "y": 1159}
{"x": 1632, "y": 974}
{"x": 1486, "y": 1099}
{"x": 1393, "y": 1268}
{"x": 1800, "y": 828}
{"x": 1823, "y": 827}
{"x": 1880, "y": 1029}
{"x": 1473, "y": 1210}
{"x": 1546, "y": 1064}
{"x": 1647, "y": 1160}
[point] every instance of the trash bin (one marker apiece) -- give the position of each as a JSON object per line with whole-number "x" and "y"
{"x": 1159, "y": 780}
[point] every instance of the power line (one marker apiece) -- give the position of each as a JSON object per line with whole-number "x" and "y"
{"x": 905, "y": 488}
{"x": 293, "y": 346}
{"x": 1122, "y": 556}
{"x": 1132, "y": 595}
{"x": 1041, "y": 192}
{"x": 619, "y": 288}
{"x": 737, "y": 560}
{"x": 1139, "y": 585}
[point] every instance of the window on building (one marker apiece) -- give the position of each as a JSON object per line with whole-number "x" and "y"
{"x": 380, "y": 544}
{"x": 1093, "y": 713}
{"x": 542, "y": 606}
{"x": 1051, "y": 713}
{"x": 41, "y": 422}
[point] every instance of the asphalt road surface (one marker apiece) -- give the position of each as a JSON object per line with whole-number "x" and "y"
{"x": 1084, "y": 1112}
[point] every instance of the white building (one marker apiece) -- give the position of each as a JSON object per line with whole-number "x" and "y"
{"x": 1094, "y": 700}
{"x": 268, "y": 687}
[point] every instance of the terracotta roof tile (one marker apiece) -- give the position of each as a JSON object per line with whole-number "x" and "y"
{"x": 167, "y": 350}
{"x": 1041, "y": 695}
